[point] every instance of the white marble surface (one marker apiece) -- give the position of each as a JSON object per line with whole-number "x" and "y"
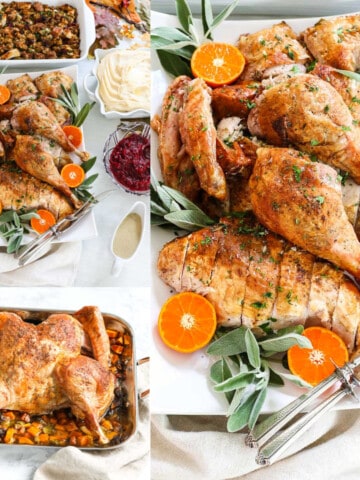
{"x": 20, "y": 463}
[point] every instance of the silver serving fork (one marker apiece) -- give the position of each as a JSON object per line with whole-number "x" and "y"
{"x": 272, "y": 441}
{"x": 37, "y": 247}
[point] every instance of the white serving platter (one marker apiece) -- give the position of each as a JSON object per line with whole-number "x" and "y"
{"x": 87, "y": 37}
{"x": 179, "y": 382}
{"x": 86, "y": 227}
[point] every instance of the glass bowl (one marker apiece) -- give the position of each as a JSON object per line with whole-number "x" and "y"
{"x": 129, "y": 167}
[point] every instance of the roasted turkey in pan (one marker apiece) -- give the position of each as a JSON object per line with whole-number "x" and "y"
{"x": 42, "y": 367}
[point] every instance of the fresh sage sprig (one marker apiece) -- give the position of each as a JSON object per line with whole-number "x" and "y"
{"x": 83, "y": 191}
{"x": 13, "y": 227}
{"x": 243, "y": 372}
{"x": 170, "y": 207}
{"x": 175, "y": 46}
{"x": 70, "y": 100}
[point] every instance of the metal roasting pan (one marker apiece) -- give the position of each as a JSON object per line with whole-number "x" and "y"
{"x": 114, "y": 322}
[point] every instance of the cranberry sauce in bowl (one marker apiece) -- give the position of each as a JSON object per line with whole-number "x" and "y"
{"x": 127, "y": 157}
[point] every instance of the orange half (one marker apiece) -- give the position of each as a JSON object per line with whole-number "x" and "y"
{"x": 217, "y": 63}
{"x": 315, "y": 364}
{"x": 187, "y": 322}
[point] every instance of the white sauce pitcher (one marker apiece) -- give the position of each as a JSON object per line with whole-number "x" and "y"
{"x": 128, "y": 237}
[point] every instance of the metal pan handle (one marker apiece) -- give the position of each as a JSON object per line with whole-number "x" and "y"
{"x": 145, "y": 393}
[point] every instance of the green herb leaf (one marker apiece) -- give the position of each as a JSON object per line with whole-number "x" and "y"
{"x": 174, "y": 65}
{"x": 347, "y": 73}
{"x": 257, "y": 406}
{"x": 206, "y": 16}
{"x": 184, "y": 14}
{"x": 275, "y": 378}
{"x": 252, "y": 349}
{"x": 88, "y": 164}
{"x": 294, "y": 379}
{"x": 186, "y": 220}
{"x": 232, "y": 343}
{"x": 220, "y": 371}
{"x": 14, "y": 243}
{"x": 84, "y": 112}
{"x": 239, "y": 419}
{"x": 223, "y": 15}
{"x": 237, "y": 381}
{"x": 283, "y": 343}
{"x": 297, "y": 173}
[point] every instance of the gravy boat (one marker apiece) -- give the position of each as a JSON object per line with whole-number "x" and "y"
{"x": 138, "y": 208}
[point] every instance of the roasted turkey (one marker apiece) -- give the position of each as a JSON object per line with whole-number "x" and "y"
{"x": 302, "y": 201}
{"x": 42, "y": 367}
{"x": 21, "y": 191}
{"x": 309, "y": 114}
{"x": 269, "y": 48}
{"x": 35, "y": 155}
{"x": 335, "y": 41}
{"x": 198, "y": 133}
{"x": 255, "y": 278}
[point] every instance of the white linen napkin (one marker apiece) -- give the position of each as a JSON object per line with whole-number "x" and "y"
{"x": 58, "y": 267}
{"x": 198, "y": 448}
{"x": 128, "y": 462}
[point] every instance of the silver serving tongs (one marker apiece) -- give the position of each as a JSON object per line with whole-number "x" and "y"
{"x": 38, "y": 247}
{"x": 268, "y": 435}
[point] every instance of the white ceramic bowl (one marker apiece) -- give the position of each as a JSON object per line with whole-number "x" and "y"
{"x": 87, "y": 37}
{"x": 93, "y": 91}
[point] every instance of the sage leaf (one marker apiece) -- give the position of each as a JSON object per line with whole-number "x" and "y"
{"x": 206, "y": 16}
{"x": 294, "y": 379}
{"x": 14, "y": 244}
{"x": 240, "y": 380}
{"x": 235, "y": 401}
{"x": 74, "y": 94}
{"x": 292, "y": 329}
{"x": 184, "y": 14}
{"x": 89, "y": 181}
{"x": 223, "y": 15}
{"x": 282, "y": 344}
{"x": 174, "y": 65}
{"x": 220, "y": 371}
{"x": 177, "y": 48}
{"x": 348, "y": 73}
{"x": 240, "y": 397}
{"x": 239, "y": 419}
{"x": 252, "y": 349}
{"x": 88, "y": 164}
{"x": 186, "y": 219}
{"x": 167, "y": 34}
{"x": 84, "y": 112}
{"x": 275, "y": 379}
{"x": 16, "y": 220}
{"x": 257, "y": 406}
{"x": 231, "y": 343}
{"x": 7, "y": 216}
{"x": 184, "y": 202}
{"x": 157, "y": 209}
{"x": 157, "y": 220}
{"x": 28, "y": 216}
{"x": 174, "y": 207}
